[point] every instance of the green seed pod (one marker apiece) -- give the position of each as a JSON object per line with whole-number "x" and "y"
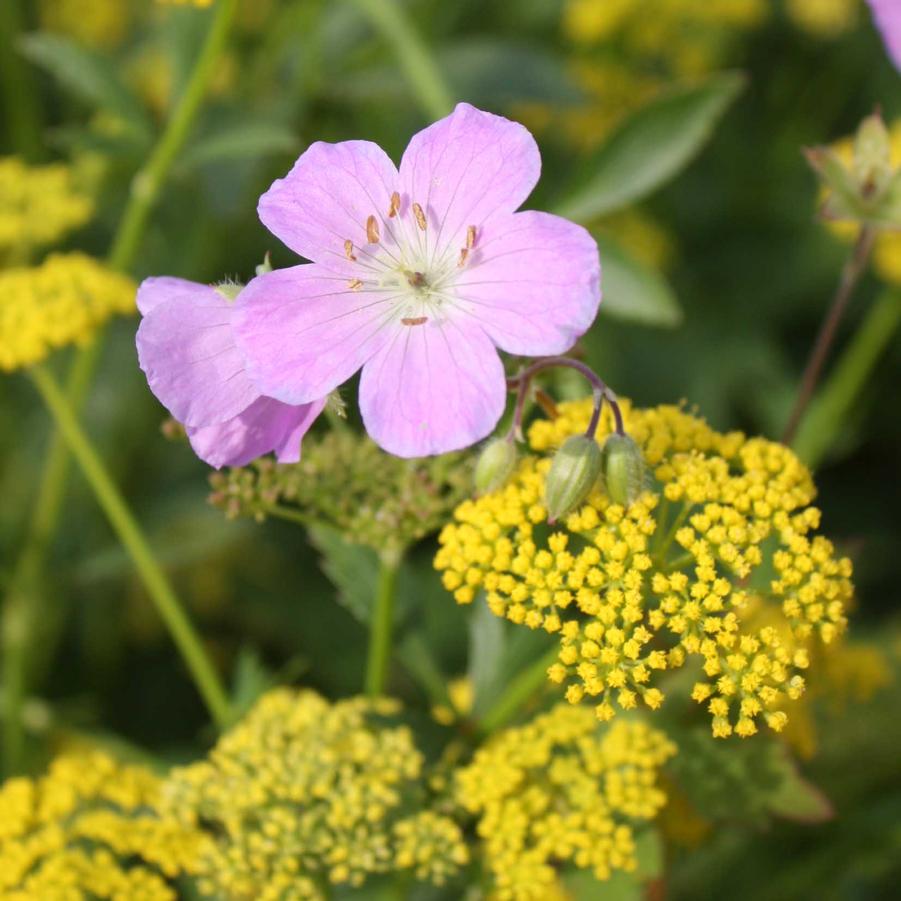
{"x": 496, "y": 462}
{"x": 574, "y": 471}
{"x": 623, "y": 469}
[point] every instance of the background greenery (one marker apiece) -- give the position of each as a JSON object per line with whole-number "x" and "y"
{"x": 717, "y": 276}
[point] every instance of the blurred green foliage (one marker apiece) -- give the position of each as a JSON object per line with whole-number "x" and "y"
{"x": 716, "y": 282}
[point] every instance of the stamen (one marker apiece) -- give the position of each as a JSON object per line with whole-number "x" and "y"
{"x": 464, "y": 253}
{"x": 372, "y": 230}
{"x": 349, "y": 250}
{"x": 420, "y": 216}
{"x": 394, "y": 209}
{"x": 415, "y": 279}
{"x": 418, "y": 320}
{"x": 470, "y": 237}
{"x": 355, "y": 284}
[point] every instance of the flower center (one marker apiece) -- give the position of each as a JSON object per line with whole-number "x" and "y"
{"x": 406, "y": 259}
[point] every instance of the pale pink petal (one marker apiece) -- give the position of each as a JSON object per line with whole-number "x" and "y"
{"x": 887, "y": 15}
{"x": 434, "y": 388}
{"x": 154, "y": 291}
{"x": 303, "y": 331}
{"x": 266, "y": 425}
{"x": 187, "y": 350}
{"x": 532, "y": 282}
{"x": 326, "y": 199}
{"x": 465, "y": 169}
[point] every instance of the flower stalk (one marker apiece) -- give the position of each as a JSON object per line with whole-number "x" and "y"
{"x": 133, "y": 540}
{"x": 853, "y": 269}
{"x": 381, "y": 630}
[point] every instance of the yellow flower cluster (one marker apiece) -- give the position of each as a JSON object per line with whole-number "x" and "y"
{"x": 303, "y": 793}
{"x": 100, "y": 23}
{"x": 625, "y": 55}
{"x": 823, "y": 18}
{"x": 887, "y": 249}
{"x": 680, "y": 574}
{"x": 88, "y": 830}
{"x": 62, "y": 301}
{"x": 38, "y": 205}
{"x": 561, "y": 791}
{"x": 201, "y": 3}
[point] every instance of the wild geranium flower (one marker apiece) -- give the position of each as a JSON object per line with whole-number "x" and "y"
{"x": 887, "y": 15}
{"x": 187, "y": 350}
{"x": 419, "y": 274}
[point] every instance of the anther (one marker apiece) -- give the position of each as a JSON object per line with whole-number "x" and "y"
{"x": 394, "y": 209}
{"x": 355, "y": 284}
{"x": 372, "y": 230}
{"x": 415, "y": 279}
{"x": 420, "y": 216}
{"x": 417, "y": 320}
{"x": 349, "y": 250}
{"x": 470, "y": 237}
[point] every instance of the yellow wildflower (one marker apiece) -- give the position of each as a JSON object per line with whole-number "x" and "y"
{"x": 887, "y": 249}
{"x": 304, "y": 792}
{"x": 823, "y": 18}
{"x": 63, "y": 301}
{"x": 461, "y": 694}
{"x": 562, "y": 790}
{"x": 89, "y": 829}
{"x": 38, "y": 206}
{"x": 200, "y": 3}
{"x": 676, "y": 575}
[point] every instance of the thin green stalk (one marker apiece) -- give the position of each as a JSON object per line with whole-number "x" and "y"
{"x": 413, "y": 56}
{"x": 381, "y": 629}
{"x": 148, "y": 183}
{"x": 18, "y": 87}
{"x": 520, "y": 690}
{"x": 836, "y": 399}
{"x": 129, "y": 533}
{"x": 123, "y": 251}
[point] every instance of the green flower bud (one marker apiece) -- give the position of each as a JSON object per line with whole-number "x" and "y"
{"x": 574, "y": 471}
{"x": 496, "y": 462}
{"x": 872, "y": 156}
{"x": 230, "y": 290}
{"x": 623, "y": 469}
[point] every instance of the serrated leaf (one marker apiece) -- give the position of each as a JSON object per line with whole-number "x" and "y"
{"x": 634, "y": 291}
{"x": 650, "y": 147}
{"x": 240, "y": 141}
{"x": 351, "y": 568}
{"x": 87, "y": 75}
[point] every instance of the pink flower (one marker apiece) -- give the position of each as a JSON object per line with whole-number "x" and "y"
{"x": 887, "y": 15}
{"x": 418, "y": 276}
{"x": 187, "y": 350}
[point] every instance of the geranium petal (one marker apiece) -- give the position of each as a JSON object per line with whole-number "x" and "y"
{"x": 467, "y": 168}
{"x": 157, "y": 290}
{"x": 303, "y": 331}
{"x": 187, "y": 350}
{"x": 326, "y": 199}
{"x": 266, "y": 425}
{"x": 434, "y": 388}
{"x": 887, "y": 15}
{"x": 532, "y": 283}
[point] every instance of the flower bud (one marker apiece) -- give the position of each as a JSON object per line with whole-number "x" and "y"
{"x": 872, "y": 155}
{"x": 496, "y": 463}
{"x": 623, "y": 469}
{"x": 574, "y": 471}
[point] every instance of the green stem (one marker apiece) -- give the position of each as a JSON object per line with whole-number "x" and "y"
{"x": 148, "y": 183}
{"x": 134, "y": 542}
{"x": 423, "y": 76}
{"x": 17, "y": 84}
{"x": 123, "y": 251}
{"x": 381, "y": 629}
{"x": 836, "y": 399}
{"x": 520, "y": 690}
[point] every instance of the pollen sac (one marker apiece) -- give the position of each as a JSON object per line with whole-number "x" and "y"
{"x": 623, "y": 469}
{"x": 495, "y": 465}
{"x": 573, "y": 474}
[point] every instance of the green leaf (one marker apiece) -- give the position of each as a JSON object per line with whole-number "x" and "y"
{"x": 487, "y": 637}
{"x": 351, "y": 568}
{"x": 634, "y": 291}
{"x": 87, "y": 75}
{"x": 240, "y": 141}
{"x": 651, "y": 147}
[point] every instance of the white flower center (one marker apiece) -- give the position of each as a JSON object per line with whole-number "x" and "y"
{"x": 402, "y": 260}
